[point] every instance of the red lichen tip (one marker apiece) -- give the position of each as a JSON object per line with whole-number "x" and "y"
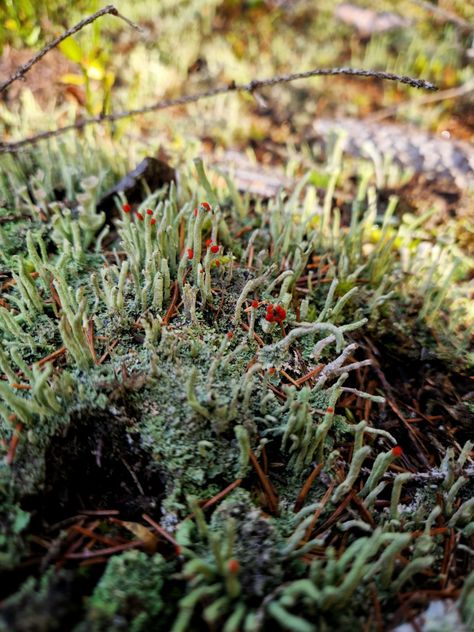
{"x": 190, "y": 252}
{"x": 233, "y": 566}
{"x": 206, "y": 205}
{"x": 140, "y": 216}
{"x": 208, "y": 242}
{"x": 214, "y": 249}
{"x": 280, "y": 312}
{"x": 218, "y": 263}
{"x": 149, "y": 211}
{"x": 126, "y": 208}
{"x": 255, "y": 303}
{"x": 153, "y": 221}
{"x": 230, "y": 335}
{"x": 330, "y": 409}
{"x": 397, "y": 451}
{"x": 195, "y": 212}
{"x": 272, "y": 370}
{"x": 275, "y": 314}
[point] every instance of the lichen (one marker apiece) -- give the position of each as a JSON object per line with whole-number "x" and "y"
{"x": 214, "y": 389}
{"x": 129, "y": 595}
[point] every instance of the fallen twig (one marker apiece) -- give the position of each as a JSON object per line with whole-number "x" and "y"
{"x": 250, "y": 87}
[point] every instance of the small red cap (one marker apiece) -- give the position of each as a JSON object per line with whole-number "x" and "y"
{"x": 206, "y": 205}
{"x": 255, "y": 303}
{"x": 233, "y": 566}
{"x": 153, "y": 221}
{"x": 329, "y": 409}
{"x": 140, "y": 217}
{"x": 126, "y": 208}
{"x": 397, "y": 451}
{"x": 190, "y": 252}
{"x": 149, "y": 211}
{"x": 215, "y": 249}
{"x": 275, "y": 314}
{"x": 230, "y": 335}
{"x": 195, "y": 212}
{"x": 281, "y": 312}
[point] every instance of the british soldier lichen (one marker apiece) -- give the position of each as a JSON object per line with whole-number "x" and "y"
{"x": 291, "y": 491}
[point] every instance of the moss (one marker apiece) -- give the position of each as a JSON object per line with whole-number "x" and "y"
{"x": 129, "y": 595}
{"x": 48, "y": 604}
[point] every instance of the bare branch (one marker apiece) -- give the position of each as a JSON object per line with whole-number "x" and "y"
{"x": 232, "y": 87}
{"x": 22, "y": 70}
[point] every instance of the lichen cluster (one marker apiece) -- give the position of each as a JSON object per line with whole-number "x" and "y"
{"x": 216, "y": 347}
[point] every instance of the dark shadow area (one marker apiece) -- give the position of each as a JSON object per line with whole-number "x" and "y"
{"x": 97, "y": 466}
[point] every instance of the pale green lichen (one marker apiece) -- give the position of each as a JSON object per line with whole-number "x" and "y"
{"x": 205, "y": 395}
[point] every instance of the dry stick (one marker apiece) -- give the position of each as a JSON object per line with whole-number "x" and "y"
{"x": 22, "y": 70}
{"x": 250, "y": 87}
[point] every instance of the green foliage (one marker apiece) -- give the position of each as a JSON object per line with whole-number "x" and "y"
{"x": 129, "y": 594}
{"x": 21, "y": 20}
{"x": 93, "y": 61}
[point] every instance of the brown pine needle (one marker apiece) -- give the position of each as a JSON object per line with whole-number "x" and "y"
{"x": 52, "y": 356}
{"x": 270, "y": 493}
{"x": 306, "y": 487}
{"x": 167, "y": 536}
{"x": 221, "y": 494}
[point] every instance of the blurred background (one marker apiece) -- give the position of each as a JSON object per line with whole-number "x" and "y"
{"x": 185, "y": 46}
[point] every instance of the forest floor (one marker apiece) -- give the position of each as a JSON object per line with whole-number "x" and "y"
{"x": 237, "y": 351}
